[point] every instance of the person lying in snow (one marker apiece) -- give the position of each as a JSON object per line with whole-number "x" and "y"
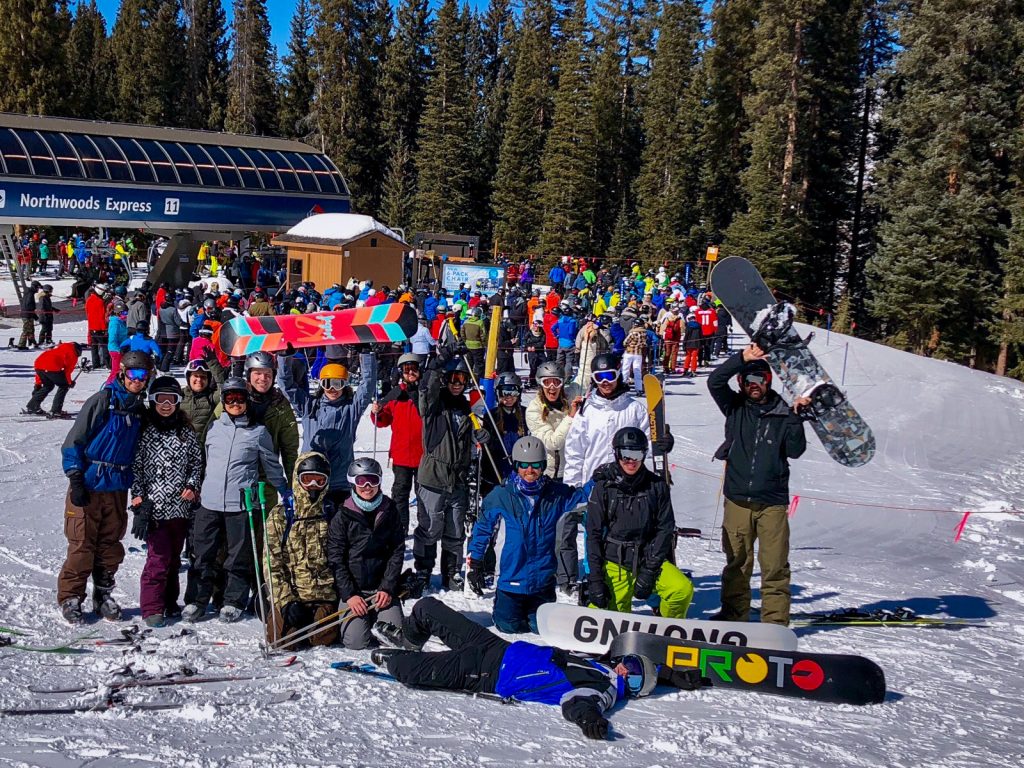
{"x": 481, "y": 662}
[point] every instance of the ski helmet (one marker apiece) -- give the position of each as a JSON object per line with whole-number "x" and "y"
{"x": 630, "y": 439}
{"x": 409, "y": 357}
{"x": 641, "y": 675}
{"x": 259, "y": 361}
{"x": 333, "y": 371}
{"x": 364, "y": 465}
{"x": 457, "y": 364}
{"x": 530, "y": 449}
{"x": 164, "y": 385}
{"x": 135, "y": 359}
{"x": 509, "y": 380}
{"x": 604, "y": 362}
{"x": 758, "y": 366}
{"x": 234, "y": 384}
{"x": 549, "y": 370}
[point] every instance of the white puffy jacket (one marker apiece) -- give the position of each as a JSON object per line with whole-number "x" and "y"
{"x": 588, "y": 443}
{"x": 551, "y": 430}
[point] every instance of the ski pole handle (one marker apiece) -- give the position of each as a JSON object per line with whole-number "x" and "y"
{"x": 262, "y": 493}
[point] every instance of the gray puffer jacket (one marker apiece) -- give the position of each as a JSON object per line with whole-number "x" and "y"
{"x": 234, "y": 451}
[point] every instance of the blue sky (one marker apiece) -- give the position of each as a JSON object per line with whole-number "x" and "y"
{"x": 279, "y": 11}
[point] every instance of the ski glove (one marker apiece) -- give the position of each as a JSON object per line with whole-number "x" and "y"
{"x": 476, "y": 578}
{"x": 644, "y": 584}
{"x": 295, "y": 615}
{"x": 683, "y": 679}
{"x": 287, "y": 498}
{"x": 666, "y": 442}
{"x": 595, "y": 728}
{"x": 597, "y": 593}
{"x": 79, "y": 493}
{"x": 142, "y": 519}
{"x": 481, "y": 436}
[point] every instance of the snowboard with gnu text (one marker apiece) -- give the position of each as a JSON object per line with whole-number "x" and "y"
{"x": 769, "y": 323}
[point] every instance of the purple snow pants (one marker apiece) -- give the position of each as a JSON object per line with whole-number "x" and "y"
{"x": 159, "y": 586}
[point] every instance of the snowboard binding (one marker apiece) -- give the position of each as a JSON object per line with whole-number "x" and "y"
{"x": 774, "y": 328}
{"x": 825, "y": 396}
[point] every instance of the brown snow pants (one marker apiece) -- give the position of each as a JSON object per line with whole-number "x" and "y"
{"x": 742, "y": 525}
{"x": 94, "y": 534}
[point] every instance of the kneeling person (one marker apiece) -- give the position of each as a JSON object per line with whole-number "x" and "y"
{"x": 298, "y": 571}
{"x": 365, "y": 546}
{"x": 630, "y": 532}
{"x": 531, "y": 504}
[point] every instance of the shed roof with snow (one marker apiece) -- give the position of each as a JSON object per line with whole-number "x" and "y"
{"x": 336, "y": 229}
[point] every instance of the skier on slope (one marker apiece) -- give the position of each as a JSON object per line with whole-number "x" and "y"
{"x": 630, "y": 533}
{"x": 399, "y": 409}
{"x": 54, "y": 368}
{"x": 481, "y": 662}
{"x": 96, "y": 458}
{"x": 588, "y": 444}
{"x": 530, "y": 504}
{"x": 298, "y": 570}
{"x": 762, "y": 434}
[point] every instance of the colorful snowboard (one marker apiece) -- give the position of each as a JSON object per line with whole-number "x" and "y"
{"x": 843, "y": 432}
{"x": 591, "y": 630}
{"x": 272, "y": 333}
{"x": 836, "y": 678}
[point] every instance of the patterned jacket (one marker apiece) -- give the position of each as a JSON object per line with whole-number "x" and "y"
{"x": 298, "y": 560}
{"x": 166, "y": 462}
{"x": 636, "y": 341}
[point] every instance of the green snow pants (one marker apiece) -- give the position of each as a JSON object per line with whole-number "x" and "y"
{"x": 742, "y": 525}
{"x": 672, "y": 586}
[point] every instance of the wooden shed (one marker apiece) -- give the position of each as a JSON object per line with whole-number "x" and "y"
{"x": 332, "y": 248}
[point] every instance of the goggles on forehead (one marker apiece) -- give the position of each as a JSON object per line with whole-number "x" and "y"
{"x": 313, "y": 479}
{"x": 366, "y": 481}
{"x": 136, "y": 374}
{"x": 604, "y": 376}
{"x": 197, "y": 366}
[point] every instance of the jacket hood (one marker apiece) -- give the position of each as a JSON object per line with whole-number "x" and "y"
{"x": 304, "y": 506}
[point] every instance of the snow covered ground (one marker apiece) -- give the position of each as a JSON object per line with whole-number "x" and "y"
{"x": 948, "y": 439}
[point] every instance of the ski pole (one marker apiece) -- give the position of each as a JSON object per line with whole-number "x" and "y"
{"x": 339, "y": 618}
{"x": 472, "y": 376}
{"x": 247, "y": 503}
{"x": 261, "y": 492}
{"x": 718, "y": 501}
{"x": 482, "y": 447}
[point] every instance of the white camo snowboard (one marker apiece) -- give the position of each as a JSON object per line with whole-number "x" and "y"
{"x": 590, "y": 630}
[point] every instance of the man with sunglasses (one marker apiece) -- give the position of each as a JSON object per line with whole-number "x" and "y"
{"x": 762, "y": 434}
{"x": 97, "y": 458}
{"x": 530, "y": 504}
{"x": 399, "y": 409}
{"x": 588, "y": 443}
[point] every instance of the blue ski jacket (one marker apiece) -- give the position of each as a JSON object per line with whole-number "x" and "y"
{"x": 551, "y": 676}
{"x": 102, "y": 441}
{"x": 528, "y": 556}
{"x": 566, "y": 329}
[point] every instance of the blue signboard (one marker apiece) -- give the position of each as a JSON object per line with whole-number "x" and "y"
{"x": 476, "y": 277}
{"x": 131, "y": 206}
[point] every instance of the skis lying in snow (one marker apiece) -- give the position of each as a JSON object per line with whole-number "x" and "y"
{"x": 901, "y": 617}
{"x": 372, "y": 671}
{"x": 118, "y": 703}
{"x": 69, "y": 646}
{"x": 148, "y": 683}
{"x": 832, "y": 677}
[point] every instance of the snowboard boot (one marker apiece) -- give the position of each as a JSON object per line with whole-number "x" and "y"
{"x": 71, "y": 610}
{"x": 380, "y": 656}
{"x": 193, "y": 612}
{"x": 229, "y": 614}
{"x": 104, "y": 604}
{"x": 419, "y": 584}
{"x": 393, "y": 636}
{"x": 451, "y": 579}
{"x": 156, "y": 621}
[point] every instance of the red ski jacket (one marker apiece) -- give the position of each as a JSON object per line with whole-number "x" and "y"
{"x": 708, "y": 320}
{"x": 62, "y": 358}
{"x": 95, "y": 313}
{"x": 400, "y": 412}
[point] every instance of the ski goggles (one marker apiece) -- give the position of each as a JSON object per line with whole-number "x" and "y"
{"x": 755, "y": 378}
{"x": 508, "y": 392}
{"x": 366, "y": 481}
{"x": 551, "y": 382}
{"x": 635, "y": 675}
{"x": 312, "y": 480}
{"x": 236, "y": 398}
{"x": 165, "y": 398}
{"x": 136, "y": 374}
{"x": 336, "y": 384}
{"x": 530, "y": 465}
{"x": 197, "y": 366}
{"x": 410, "y": 367}
{"x": 604, "y": 377}
{"x": 629, "y": 454}
{"x": 458, "y": 377}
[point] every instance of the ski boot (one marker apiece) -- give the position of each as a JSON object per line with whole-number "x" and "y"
{"x": 71, "y": 610}
{"x": 156, "y": 621}
{"x": 393, "y": 636}
{"x": 451, "y": 579}
{"x": 380, "y": 656}
{"x": 419, "y": 584}
{"x": 193, "y": 612}
{"x": 104, "y": 604}
{"x": 229, "y": 614}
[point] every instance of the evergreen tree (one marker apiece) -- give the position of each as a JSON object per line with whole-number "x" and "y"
{"x": 568, "y": 163}
{"x": 206, "y": 44}
{"x": 946, "y": 189}
{"x": 29, "y": 40}
{"x": 517, "y": 185}
{"x": 163, "y": 102}
{"x": 252, "y": 91}
{"x": 625, "y": 242}
{"x": 668, "y": 188}
{"x": 298, "y": 84}
{"x": 127, "y": 41}
{"x": 727, "y": 72}
{"x": 404, "y": 76}
{"x": 398, "y": 198}
{"x": 90, "y": 90}
{"x": 445, "y": 157}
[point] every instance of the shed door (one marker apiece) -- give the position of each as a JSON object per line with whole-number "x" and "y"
{"x": 294, "y": 272}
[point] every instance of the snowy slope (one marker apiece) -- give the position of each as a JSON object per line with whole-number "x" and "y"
{"x": 948, "y": 439}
